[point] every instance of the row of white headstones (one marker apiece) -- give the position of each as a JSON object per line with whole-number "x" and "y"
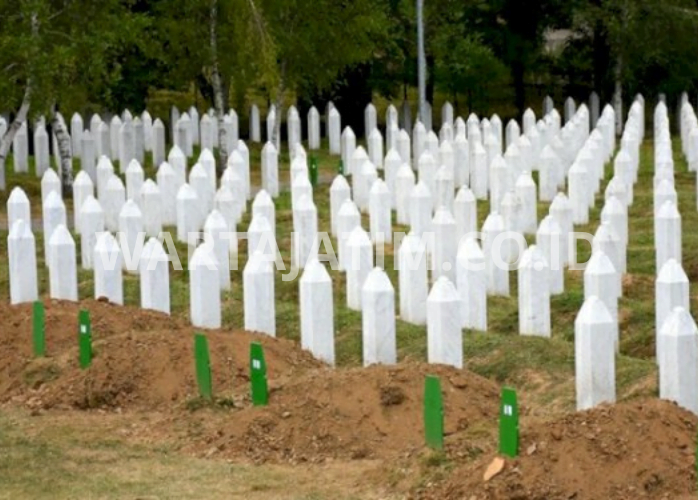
{"x": 125, "y": 138}
{"x": 465, "y": 154}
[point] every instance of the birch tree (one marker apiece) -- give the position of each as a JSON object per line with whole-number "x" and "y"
{"x": 210, "y": 42}
{"x": 51, "y": 53}
{"x": 315, "y": 40}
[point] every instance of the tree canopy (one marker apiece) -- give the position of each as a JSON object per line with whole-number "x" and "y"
{"x": 112, "y": 54}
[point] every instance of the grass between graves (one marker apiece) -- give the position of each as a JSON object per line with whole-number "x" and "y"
{"x": 542, "y": 369}
{"x": 83, "y": 463}
{"x": 76, "y": 455}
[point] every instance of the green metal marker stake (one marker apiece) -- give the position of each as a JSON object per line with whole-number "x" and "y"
{"x": 313, "y": 171}
{"x": 258, "y": 375}
{"x": 203, "y": 366}
{"x": 85, "y": 339}
{"x": 509, "y": 424}
{"x": 433, "y": 413}
{"x": 39, "y": 329}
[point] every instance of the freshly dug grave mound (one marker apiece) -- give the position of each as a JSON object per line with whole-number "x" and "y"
{"x": 356, "y": 413}
{"x": 631, "y": 450}
{"x": 142, "y": 359}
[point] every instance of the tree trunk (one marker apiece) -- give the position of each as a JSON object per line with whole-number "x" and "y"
{"x": 422, "y": 64}
{"x": 6, "y": 140}
{"x": 66, "y": 155}
{"x": 21, "y": 116}
{"x": 218, "y": 98}
{"x": 279, "y": 101}
{"x": 518, "y": 74}
{"x": 618, "y": 96}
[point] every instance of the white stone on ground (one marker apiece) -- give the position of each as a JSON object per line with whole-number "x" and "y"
{"x": 88, "y": 155}
{"x": 465, "y": 213}
{"x": 404, "y": 183}
{"x": 445, "y": 245}
{"x": 601, "y": 280}
{"x": 375, "y": 148}
{"x": 216, "y": 233}
{"x": 115, "y": 197}
{"x": 413, "y": 280}
{"x": 18, "y": 207}
{"x": 671, "y": 291}
{"x": 358, "y": 264}
{"x": 526, "y": 193}
{"x": 577, "y": 192}
{"x": 178, "y": 162}
{"x": 678, "y": 366}
{"x": 668, "y": 235}
{"x": 347, "y": 219}
{"x": 348, "y": 148}
{"x": 204, "y": 288}
{"x": 105, "y": 171}
{"x": 313, "y": 129}
{"x": 201, "y": 183}
{"x": 260, "y": 238}
{"x": 151, "y": 203}
{"x": 561, "y": 210}
{"x": 420, "y": 209}
{"x": 594, "y": 351}
{"x": 168, "y": 186}
{"x": 270, "y": 169}
{"x": 92, "y": 220}
{"x": 380, "y": 213}
{"x": 339, "y": 193}
{"x": 131, "y": 235}
{"x": 54, "y": 215}
{"x": 549, "y": 242}
{"x": 155, "y": 277}
{"x": 188, "y": 215}
{"x": 108, "y": 265}
{"x": 82, "y": 188}
{"x": 334, "y": 131}
{"x": 158, "y": 143}
{"x": 317, "y": 311}
{"x": 444, "y": 189}
{"x": 42, "y": 156}
{"x": 392, "y": 164}
{"x": 21, "y": 250}
{"x": 471, "y": 281}
{"x": 495, "y": 267}
{"x": 427, "y": 171}
{"x": 50, "y": 183}
{"x": 305, "y": 227}
{"x": 264, "y": 205}
{"x": 378, "y": 319}
{"x": 63, "y": 275}
{"x": 534, "y": 294}
{"x": 258, "y": 291}
{"x": 444, "y": 334}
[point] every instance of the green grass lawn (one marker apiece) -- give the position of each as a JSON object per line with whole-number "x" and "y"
{"x": 80, "y": 455}
{"x": 527, "y": 363}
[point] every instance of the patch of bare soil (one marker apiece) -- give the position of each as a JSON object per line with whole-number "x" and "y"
{"x": 626, "y": 451}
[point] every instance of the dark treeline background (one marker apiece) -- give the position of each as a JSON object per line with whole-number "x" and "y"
{"x": 484, "y": 56}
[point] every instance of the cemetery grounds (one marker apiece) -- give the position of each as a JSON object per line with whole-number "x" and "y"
{"x": 132, "y": 426}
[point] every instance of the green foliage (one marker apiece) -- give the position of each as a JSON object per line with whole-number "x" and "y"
{"x": 94, "y": 56}
{"x": 63, "y": 49}
{"x": 467, "y": 65}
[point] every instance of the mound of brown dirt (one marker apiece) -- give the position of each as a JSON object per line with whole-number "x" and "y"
{"x": 144, "y": 361}
{"x": 349, "y": 414}
{"x": 141, "y": 359}
{"x": 626, "y": 451}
